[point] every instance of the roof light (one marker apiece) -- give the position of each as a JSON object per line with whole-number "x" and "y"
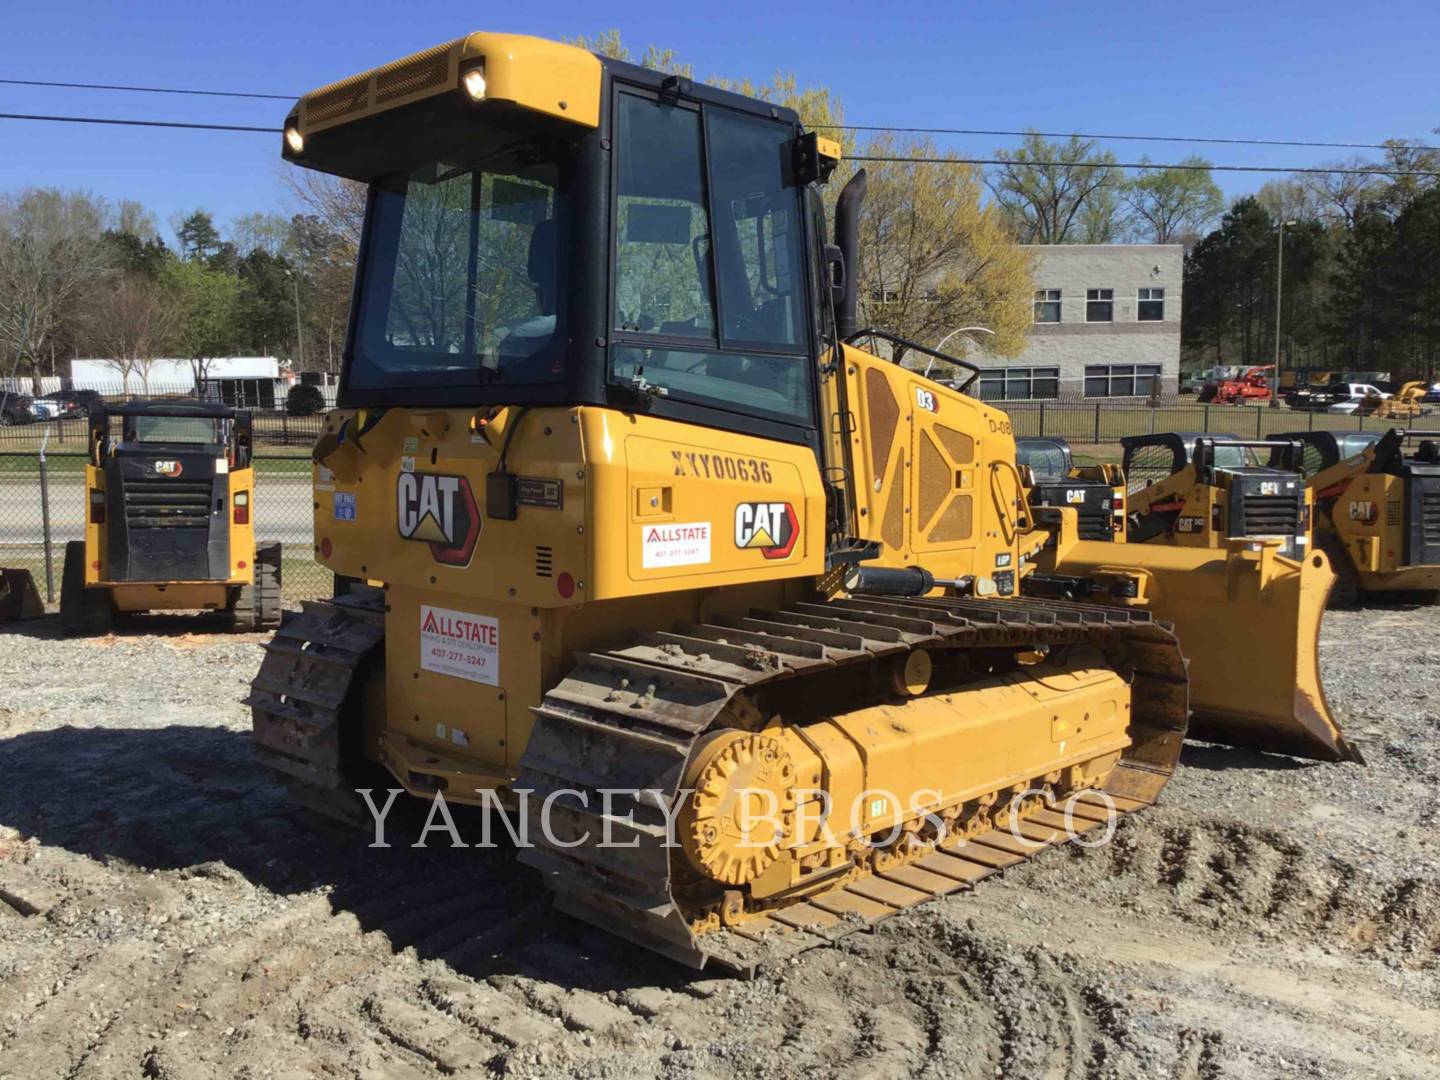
{"x": 474, "y": 83}
{"x": 294, "y": 140}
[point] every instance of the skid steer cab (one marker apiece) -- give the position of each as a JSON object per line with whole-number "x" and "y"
{"x": 1095, "y": 492}
{"x": 1377, "y": 510}
{"x": 1207, "y": 490}
{"x": 169, "y": 526}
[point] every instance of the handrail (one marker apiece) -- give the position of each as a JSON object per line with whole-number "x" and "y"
{"x": 906, "y": 343}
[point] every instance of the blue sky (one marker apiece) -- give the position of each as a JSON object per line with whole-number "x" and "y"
{"x": 1318, "y": 70}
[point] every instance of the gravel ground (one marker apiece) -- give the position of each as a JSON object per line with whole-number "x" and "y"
{"x": 168, "y": 915}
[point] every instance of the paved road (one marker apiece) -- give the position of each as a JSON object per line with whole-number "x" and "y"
{"x": 282, "y": 509}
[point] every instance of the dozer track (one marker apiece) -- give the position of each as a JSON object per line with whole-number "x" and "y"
{"x": 629, "y": 720}
{"x": 297, "y": 697}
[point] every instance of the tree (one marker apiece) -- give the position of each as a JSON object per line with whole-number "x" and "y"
{"x": 129, "y": 324}
{"x": 932, "y": 258}
{"x": 1362, "y": 316}
{"x": 258, "y": 232}
{"x": 203, "y": 314}
{"x": 198, "y": 237}
{"x": 1173, "y": 205}
{"x": 304, "y": 400}
{"x": 1045, "y": 189}
{"x": 49, "y": 253}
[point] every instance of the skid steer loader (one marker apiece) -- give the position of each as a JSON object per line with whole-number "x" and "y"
{"x": 743, "y": 623}
{"x": 1207, "y": 490}
{"x": 1377, "y": 510}
{"x": 1095, "y": 492}
{"x": 169, "y": 493}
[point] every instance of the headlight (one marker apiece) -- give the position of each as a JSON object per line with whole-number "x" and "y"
{"x": 474, "y": 83}
{"x": 294, "y": 140}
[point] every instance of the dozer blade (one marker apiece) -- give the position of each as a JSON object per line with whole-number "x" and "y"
{"x": 1249, "y": 623}
{"x": 18, "y": 596}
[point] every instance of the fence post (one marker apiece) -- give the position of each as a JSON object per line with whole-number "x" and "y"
{"x": 1042, "y": 419}
{"x": 1310, "y": 420}
{"x": 1097, "y": 422}
{"x": 1206, "y": 426}
{"x": 1259, "y": 415}
{"x": 45, "y": 523}
{"x": 1153, "y": 410}
{"x": 285, "y": 429}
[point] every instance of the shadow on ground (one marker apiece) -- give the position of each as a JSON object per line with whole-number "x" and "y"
{"x": 195, "y": 799}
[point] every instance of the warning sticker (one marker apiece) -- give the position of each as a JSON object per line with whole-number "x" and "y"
{"x": 344, "y": 506}
{"x": 674, "y": 545}
{"x": 460, "y": 644}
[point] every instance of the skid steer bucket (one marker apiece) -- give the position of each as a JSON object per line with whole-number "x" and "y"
{"x": 1248, "y": 620}
{"x": 18, "y": 597}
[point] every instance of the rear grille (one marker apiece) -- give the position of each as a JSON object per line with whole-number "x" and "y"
{"x": 1096, "y": 524}
{"x": 1430, "y": 517}
{"x": 543, "y": 561}
{"x": 1268, "y": 515}
{"x": 167, "y": 504}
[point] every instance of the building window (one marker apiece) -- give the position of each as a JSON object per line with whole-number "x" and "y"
{"x": 884, "y": 296}
{"x": 1020, "y": 384}
{"x": 1151, "y": 306}
{"x": 1099, "y": 305}
{"x": 1122, "y": 380}
{"x": 1047, "y": 305}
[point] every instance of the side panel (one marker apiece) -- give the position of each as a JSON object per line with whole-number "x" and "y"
{"x": 934, "y": 473}
{"x": 676, "y": 506}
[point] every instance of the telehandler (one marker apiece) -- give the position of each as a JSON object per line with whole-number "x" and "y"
{"x": 639, "y": 547}
{"x": 169, "y": 493}
{"x": 1377, "y": 510}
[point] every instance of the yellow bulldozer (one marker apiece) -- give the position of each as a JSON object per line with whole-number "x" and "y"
{"x": 751, "y": 634}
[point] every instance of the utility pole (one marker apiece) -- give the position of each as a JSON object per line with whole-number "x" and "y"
{"x": 299, "y": 337}
{"x": 1279, "y": 268}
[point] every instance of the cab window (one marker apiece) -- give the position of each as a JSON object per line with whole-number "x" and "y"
{"x": 709, "y": 274}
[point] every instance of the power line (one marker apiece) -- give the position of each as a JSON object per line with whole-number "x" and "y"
{"x": 901, "y": 159}
{"x": 994, "y": 132}
{"x": 147, "y": 89}
{"x": 1119, "y": 138}
{"x": 1183, "y": 166}
{"x": 137, "y": 123}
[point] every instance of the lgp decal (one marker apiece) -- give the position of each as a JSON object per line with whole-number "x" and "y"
{"x": 171, "y": 469}
{"x": 439, "y": 511}
{"x": 770, "y": 526}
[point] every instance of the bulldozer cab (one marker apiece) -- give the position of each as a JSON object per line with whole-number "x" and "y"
{"x": 1207, "y": 489}
{"x": 503, "y": 229}
{"x": 169, "y": 489}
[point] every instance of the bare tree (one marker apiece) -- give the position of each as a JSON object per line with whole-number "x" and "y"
{"x": 49, "y": 252}
{"x": 130, "y": 324}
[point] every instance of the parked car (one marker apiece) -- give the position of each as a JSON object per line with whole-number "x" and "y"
{"x": 16, "y": 409}
{"x": 74, "y": 402}
{"x": 45, "y": 409}
{"x": 1348, "y": 396}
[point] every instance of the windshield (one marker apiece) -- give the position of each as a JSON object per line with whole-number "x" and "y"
{"x": 202, "y": 430}
{"x": 461, "y": 282}
{"x": 1046, "y": 459}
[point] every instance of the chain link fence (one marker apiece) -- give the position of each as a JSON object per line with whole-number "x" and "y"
{"x": 43, "y": 502}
